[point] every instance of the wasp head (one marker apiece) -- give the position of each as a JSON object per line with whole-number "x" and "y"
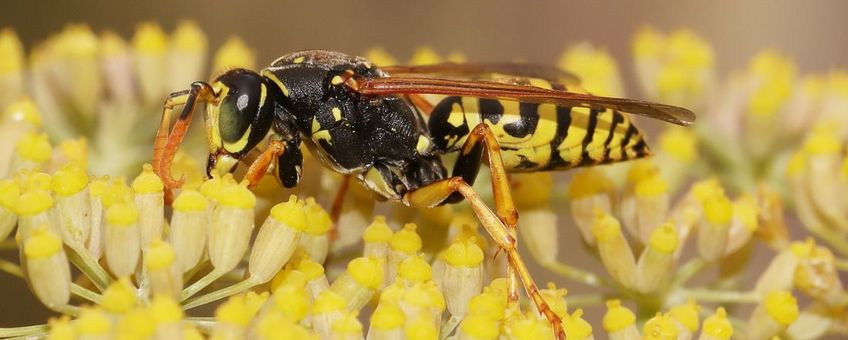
{"x": 238, "y": 119}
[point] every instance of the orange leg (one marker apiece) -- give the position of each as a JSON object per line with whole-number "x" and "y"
{"x": 338, "y": 204}
{"x": 436, "y": 192}
{"x": 260, "y": 165}
{"x": 167, "y": 143}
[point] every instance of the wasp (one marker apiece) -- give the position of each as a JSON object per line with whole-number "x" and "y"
{"x": 377, "y": 126}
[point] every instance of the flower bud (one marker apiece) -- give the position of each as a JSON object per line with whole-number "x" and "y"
{"x": 119, "y": 297}
{"x": 47, "y": 268}
{"x": 358, "y": 207}
{"x": 137, "y": 323}
{"x": 61, "y": 329}
{"x": 277, "y": 326}
{"x": 96, "y": 236}
{"x": 32, "y": 151}
{"x": 576, "y": 327}
{"x": 590, "y": 190}
{"x": 187, "y": 55}
{"x": 315, "y": 239}
{"x": 743, "y": 225}
{"x": 620, "y": 322}
{"x": 123, "y": 240}
{"x": 421, "y": 327}
{"x": 478, "y": 327}
{"x": 713, "y": 230}
{"x": 657, "y": 259}
{"x": 652, "y": 204}
{"x": 163, "y": 270}
{"x": 347, "y": 327}
{"x": 387, "y": 322}
{"x": 232, "y": 318}
{"x": 404, "y": 243}
{"x": 117, "y": 62}
{"x": 816, "y": 273}
{"x": 234, "y": 53}
{"x": 150, "y": 46}
{"x": 231, "y": 227}
{"x": 35, "y": 209}
{"x": 686, "y": 318}
{"x": 277, "y": 239}
{"x": 413, "y": 270}
{"x": 660, "y": 327}
{"x": 167, "y": 316}
{"x": 188, "y": 230}
{"x": 12, "y": 66}
{"x": 614, "y": 250}
{"x": 778, "y": 310}
{"x": 93, "y": 324}
{"x": 363, "y": 277}
{"x": 779, "y": 274}
{"x": 555, "y": 298}
{"x": 316, "y": 281}
{"x": 528, "y": 327}
{"x": 150, "y": 201}
{"x": 329, "y": 306}
{"x": 9, "y": 193}
{"x": 292, "y": 302}
{"x": 423, "y": 298}
{"x": 463, "y": 275}
{"x": 73, "y": 204}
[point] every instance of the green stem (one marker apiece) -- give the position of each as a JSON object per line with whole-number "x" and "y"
{"x": 11, "y": 268}
{"x": 71, "y": 310}
{"x": 449, "y": 327}
{"x": 90, "y": 267}
{"x": 85, "y": 293}
{"x": 23, "y": 331}
{"x": 220, "y": 294}
{"x": 688, "y": 270}
{"x": 720, "y": 296}
{"x": 576, "y": 274}
{"x": 200, "y": 284}
{"x": 585, "y": 300}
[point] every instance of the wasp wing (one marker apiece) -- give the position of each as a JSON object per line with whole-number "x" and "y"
{"x": 415, "y": 85}
{"x": 486, "y": 71}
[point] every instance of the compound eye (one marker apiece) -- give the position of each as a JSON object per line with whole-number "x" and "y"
{"x": 240, "y": 106}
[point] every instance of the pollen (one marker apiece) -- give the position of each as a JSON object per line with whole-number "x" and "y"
{"x": 479, "y": 327}
{"x": 149, "y": 38}
{"x": 618, "y": 317}
{"x": 387, "y": 316}
{"x": 119, "y": 297}
{"x": 406, "y": 240}
{"x": 681, "y": 144}
{"x": 122, "y": 214}
{"x": 651, "y": 186}
{"x": 42, "y": 244}
{"x": 822, "y": 141}
{"x": 589, "y": 182}
{"x": 330, "y": 301}
{"x": 236, "y": 196}
{"x": 660, "y": 327}
{"x": 34, "y": 147}
{"x": 23, "y": 109}
{"x": 686, "y": 314}
{"x": 159, "y": 255}
{"x": 664, "y": 239}
{"x": 318, "y": 221}
{"x": 378, "y": 231}
{"x": 347, "y": 324}
{"x": 367, "y": 271}
{"x": 718, "y": 326}
{"x": 34, "y": 202}
{"x": 605, "y": 227}
{"x": 415, "y": 269}
{"x": 190, "y": 201}
{"x": 235, "y": 311}
{"x": 781, "y": 306}
{"x": 718, "y": 209}
{"x": 291, "y": 213}
{"x": 464, "y": 254}
{"x": 164, "y": 309}
{"x": 93, "y": 322}
{"x": 575, "y": 326}
{"x": 147, "y": 182}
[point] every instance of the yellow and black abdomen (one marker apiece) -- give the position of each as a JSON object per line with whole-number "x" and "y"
{"x": 538, "y": 137}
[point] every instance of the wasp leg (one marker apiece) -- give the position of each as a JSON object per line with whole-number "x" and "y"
{"x": 166, "y": 143}
{"x": 468, "y": 165}
{"x": 260, "y": 165}
{"x": 338, "y": 205}
{"x": 435, "y": 193}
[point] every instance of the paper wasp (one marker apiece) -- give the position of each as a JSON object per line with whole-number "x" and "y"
{"x": 374, "y": 125}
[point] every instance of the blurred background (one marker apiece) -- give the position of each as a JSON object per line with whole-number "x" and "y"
{"x": 813, "y": 34}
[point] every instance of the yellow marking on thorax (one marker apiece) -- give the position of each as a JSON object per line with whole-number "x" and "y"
{"x": 273, "y": 77}
{"x": 323, "y": 135}
{"x": 337, "y": 113}
{"x": 316, "y": 125}
{"x": 423, "y": 144}
{"x": 239, "y": 144}
{"x": 298, "y": 60}
{"x": 337, "y": 80}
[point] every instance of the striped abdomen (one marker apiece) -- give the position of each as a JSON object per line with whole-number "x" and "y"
{"x": 536, "y": 137}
